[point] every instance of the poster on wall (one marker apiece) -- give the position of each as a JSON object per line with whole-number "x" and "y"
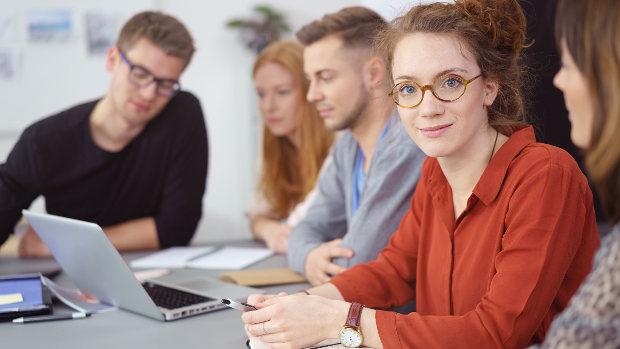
{"x": 8, "y": 29}
{"x": 101, "y": 31}
{"x": 49, "y": 25}
{"x": 8, "y": 63}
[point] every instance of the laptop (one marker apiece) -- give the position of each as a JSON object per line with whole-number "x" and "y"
{"x": 94, "y": 265}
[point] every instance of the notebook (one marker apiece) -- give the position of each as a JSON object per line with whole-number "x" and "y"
{"x": 227, "y": 257}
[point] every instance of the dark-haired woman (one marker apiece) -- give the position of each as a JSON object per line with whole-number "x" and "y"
{"x": 587, "y": 33}
{"x": 501, "y": 230}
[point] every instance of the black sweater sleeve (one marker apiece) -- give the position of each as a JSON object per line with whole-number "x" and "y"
{"x": 18, "y": 184}
{"x": 180, "y": 207}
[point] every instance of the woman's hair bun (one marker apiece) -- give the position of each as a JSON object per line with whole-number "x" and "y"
{"x": 503, "y": 21}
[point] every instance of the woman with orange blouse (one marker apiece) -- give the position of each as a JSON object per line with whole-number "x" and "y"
{"x": 501, "y": 229}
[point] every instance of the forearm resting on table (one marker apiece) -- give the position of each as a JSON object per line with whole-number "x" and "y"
{"x": 260, "y": 226}
{"x": 137, "y": 234}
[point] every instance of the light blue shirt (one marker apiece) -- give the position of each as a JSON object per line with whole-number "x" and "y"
{"x": 359, "y": 176}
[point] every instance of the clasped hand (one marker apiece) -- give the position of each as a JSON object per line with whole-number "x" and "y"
{"x": 294, "y": 321}
{"x": 319, "y": 267}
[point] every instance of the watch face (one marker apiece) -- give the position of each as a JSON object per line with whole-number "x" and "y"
{"x": 350, "y": 337}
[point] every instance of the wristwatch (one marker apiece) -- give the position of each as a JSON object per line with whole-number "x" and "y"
{"x": 351, "y": 333}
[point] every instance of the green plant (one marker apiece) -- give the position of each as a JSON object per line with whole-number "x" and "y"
{"x": 257, "y": 33}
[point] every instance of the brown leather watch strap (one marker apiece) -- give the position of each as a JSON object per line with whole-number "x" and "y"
{"x": 355, "y": 315}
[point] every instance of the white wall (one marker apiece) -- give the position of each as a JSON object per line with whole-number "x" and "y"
{"x": 52, "y": 76}
{"x": 220, "y": 75}
{"x": 55, "y": 76}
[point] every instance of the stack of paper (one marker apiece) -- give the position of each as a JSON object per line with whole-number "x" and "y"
{"x": 204, "y": 258}
{"x": 174, "y": 257}
{"x": 231, "y": 258}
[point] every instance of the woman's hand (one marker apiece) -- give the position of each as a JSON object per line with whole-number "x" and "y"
{"x": 256, "y": 299}
{"x": 274, "y": 233}
{"x": 294, "y": 321}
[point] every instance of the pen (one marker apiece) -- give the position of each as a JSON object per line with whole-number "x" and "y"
{"x": 238, "y": 305}
{"x": 28, "y": 319}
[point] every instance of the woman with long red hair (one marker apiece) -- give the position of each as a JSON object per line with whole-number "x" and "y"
{"x": 294, "y": 146}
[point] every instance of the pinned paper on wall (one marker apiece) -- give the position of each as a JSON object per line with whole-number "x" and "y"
{"x": 49, "y": 25}
{"x": 101, "y": 31}
{"x": 8, "y": 63}
{"x": 8, "y": 29}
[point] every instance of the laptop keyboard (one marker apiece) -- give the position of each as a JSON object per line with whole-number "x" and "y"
{"x": 171, "y": 298}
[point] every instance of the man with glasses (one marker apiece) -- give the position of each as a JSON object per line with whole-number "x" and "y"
{"x": 134, "y": 161}
{"x": 366, "y": 189}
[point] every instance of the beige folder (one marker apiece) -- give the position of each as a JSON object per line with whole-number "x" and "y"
{"x": 263, "y": 277}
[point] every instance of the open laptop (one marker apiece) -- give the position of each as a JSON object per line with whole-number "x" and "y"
{"x": 84, "y": 252}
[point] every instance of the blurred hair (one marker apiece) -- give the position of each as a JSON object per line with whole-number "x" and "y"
{"x": 163, "y": 30}
{"x": 289, "y": 173}
{"x": 356, "y": 26}
{"x": 591, "y": 31}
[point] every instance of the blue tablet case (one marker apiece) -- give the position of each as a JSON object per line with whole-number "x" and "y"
{"x": 36, "y": 299}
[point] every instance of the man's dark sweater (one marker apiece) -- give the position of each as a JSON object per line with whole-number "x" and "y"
{"x": 160, "y": 174}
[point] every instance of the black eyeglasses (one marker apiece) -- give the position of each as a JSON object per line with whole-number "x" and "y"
{"x": 142, "y": 77}
{"x": 446, "y": 88}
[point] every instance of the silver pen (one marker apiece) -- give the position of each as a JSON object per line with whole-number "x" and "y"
{"x": 29, "y": 319}
{"x": 238, "y": 305}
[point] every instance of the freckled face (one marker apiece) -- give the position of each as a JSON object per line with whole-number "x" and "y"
{"x": 440, "y": 128}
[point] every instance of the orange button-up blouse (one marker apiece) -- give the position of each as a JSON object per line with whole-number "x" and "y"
{"x": 496, "y": 276}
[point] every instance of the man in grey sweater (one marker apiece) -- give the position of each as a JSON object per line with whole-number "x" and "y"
{"x": 366, "y": 189}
